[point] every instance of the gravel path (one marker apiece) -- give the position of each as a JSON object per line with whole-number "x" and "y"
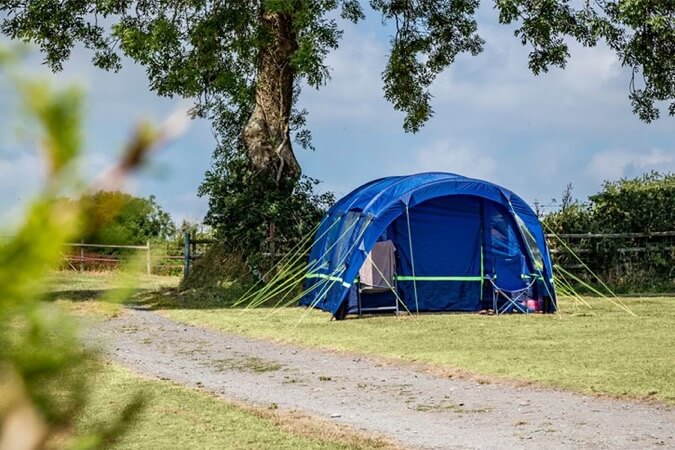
{"x": 413, "y": 408}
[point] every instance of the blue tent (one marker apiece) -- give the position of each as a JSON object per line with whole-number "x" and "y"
{"x": 450, "y": 233}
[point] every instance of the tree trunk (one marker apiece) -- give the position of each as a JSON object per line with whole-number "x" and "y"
{"x": 266, "y": 134}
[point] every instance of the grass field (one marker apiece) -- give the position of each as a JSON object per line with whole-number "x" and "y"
{"x": 602, "y": 350}
{"x": 175, "y": 417}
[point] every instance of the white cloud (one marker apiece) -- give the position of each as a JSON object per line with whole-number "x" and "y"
{"x": 590, "y": 69}
{"x": 614, "y": 164}
{"x": 448, "y": 156}
{"x": 497, "y": 87}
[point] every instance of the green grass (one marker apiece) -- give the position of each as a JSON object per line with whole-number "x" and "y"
{"x": 179, "y": 418}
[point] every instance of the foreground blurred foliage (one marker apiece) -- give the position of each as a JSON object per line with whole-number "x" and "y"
{"x": 45, "y": 371}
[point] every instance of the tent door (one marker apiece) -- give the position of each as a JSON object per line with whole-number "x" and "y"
{"x": 381, "y": 308}
{"x": 377, "y": 280}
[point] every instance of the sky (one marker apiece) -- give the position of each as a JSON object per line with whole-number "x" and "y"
{"x": 493, "y": 120}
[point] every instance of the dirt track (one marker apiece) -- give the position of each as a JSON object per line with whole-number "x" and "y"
{"x": 413, "y": 408}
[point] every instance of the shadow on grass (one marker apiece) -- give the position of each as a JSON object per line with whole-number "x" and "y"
{"x": 79, "y": 295}
{"x": 164, "y": 298}
{"x": 201, "y": 298}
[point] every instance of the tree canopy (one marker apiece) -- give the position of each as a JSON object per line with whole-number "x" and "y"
{"x": 244, "y": 61}
{"x": 242, "y": 207}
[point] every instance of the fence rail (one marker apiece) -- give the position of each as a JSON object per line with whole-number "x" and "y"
{"x": 81, "y": 258}
{"x": 612, "y": 235}
{"x": 626, "y": 261}
{"x": 159, "y": 257}
{"x": 133, "y": 247}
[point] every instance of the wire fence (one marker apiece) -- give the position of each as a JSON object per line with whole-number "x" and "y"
{"x": 160, "y": 258}
{"x": 625, "y": 261}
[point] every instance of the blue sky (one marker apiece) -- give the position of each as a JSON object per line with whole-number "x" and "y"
{"x": 493, "y": 120}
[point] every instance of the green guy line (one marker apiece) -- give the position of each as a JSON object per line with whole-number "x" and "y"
{"x": 422, "y": 278}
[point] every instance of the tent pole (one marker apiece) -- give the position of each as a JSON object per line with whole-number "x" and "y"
{"x": 483, "y": 244}
{"x": 412, "y": 259}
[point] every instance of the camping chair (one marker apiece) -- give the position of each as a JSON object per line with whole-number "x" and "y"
{"x": 511, "y": 291}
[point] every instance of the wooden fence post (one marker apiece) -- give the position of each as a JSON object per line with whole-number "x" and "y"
{"x": 186, "y": 255}
{"x": 148, "y": 262}
{"x": 81, "y": 256}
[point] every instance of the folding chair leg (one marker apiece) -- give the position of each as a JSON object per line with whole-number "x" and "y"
{"x": 510, "y": 302}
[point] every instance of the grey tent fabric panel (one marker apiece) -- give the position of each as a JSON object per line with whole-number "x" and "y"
{"x": 377, "y": 272}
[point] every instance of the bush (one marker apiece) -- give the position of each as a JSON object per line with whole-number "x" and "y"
{"x": 642, "y": 205}
{"x": 216, "y": 267}
{"x": 254, "y": 218}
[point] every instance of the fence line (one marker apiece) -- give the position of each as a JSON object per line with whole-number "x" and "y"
{"x": 626, "y": 261}
{"x": 185, "y": 252}
{"x": 133, "y": 247}
{"x": 612, "y": 235}
{"x": 82, "y": 259}
{"x": 647, "y": 248}
{"x": 639, "y": 256}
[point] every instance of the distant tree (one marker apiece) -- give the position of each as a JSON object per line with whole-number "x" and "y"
{"x": 159, "y": 223}
{"x": 120, "y": 218}
{"x": 573, "y": 216}
{"x": 643, "y": 205}
{"x": 567, "y": 198}
{"x": 576, "y": 217}
{"x": 196, "y": 229}
{"x": 189, "y": 227}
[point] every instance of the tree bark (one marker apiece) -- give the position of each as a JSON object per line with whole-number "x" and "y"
{"x": 266, "y": 134}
